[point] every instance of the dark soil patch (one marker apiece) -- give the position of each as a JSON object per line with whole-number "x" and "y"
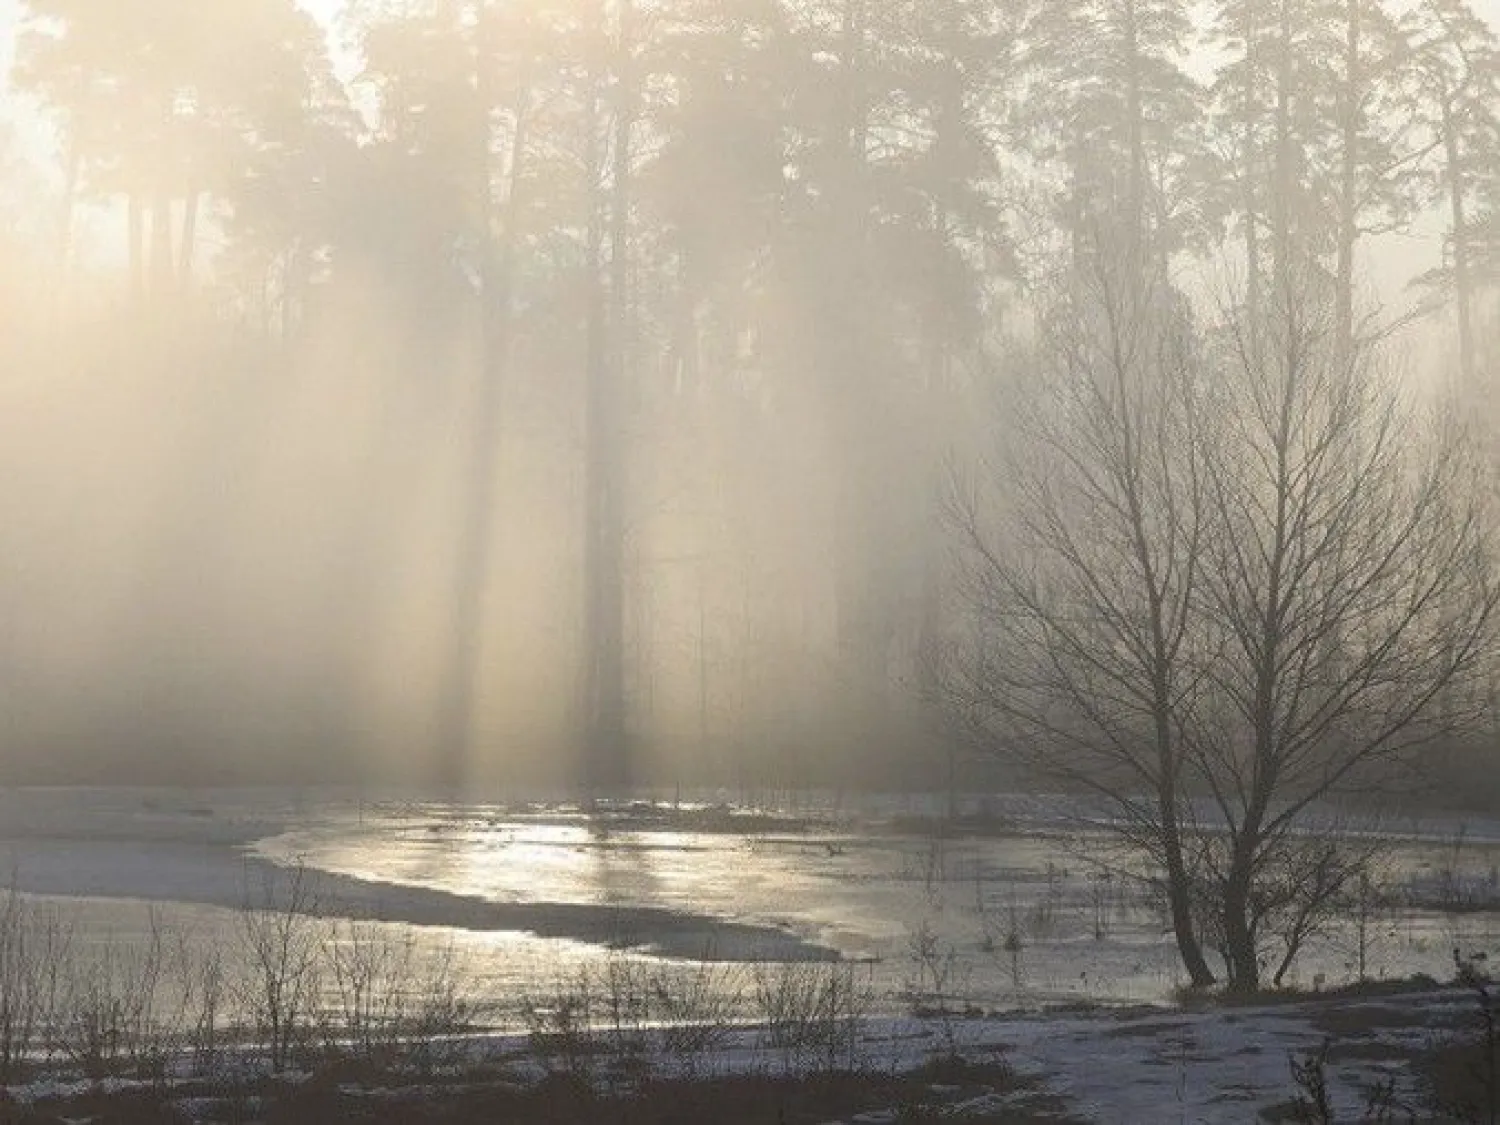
{"x": 1198, "y": 1000}
{"x": 1231, "y": 1094}
{"x": 1145, "y": 1029}
{"x": 1340, "y": 1021}
{"x": 135, "y": 1108}
{"x": 946, "y": 1090}
{"x": 1286, "y": 1113}
{"x": 1462, "y": 1071}
{"x": 749, "y": 1100}
{"x": 1372, "y": 1050}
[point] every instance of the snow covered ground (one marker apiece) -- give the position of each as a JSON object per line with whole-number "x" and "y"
{"x": 1137, "y": 1067}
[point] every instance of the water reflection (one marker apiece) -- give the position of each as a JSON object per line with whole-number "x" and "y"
{"x": 865, "y": 894}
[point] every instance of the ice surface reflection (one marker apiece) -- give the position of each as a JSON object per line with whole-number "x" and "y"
{"x": 871, "y": 895}
{"x": 526, "y": 895}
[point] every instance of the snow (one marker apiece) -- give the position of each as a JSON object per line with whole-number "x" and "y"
{"x": 1150, "y": 1065}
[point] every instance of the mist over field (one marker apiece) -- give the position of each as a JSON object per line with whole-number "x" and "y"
{"x": 545, "y": 392}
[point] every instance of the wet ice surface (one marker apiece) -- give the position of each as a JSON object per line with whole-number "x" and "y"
{"x": 165, "y": 847}
{"x": 523, "y": 895}
{"x": 871, "y": 897}
{"x": 927, "y": 916}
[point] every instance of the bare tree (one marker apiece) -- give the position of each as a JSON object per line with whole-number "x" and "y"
{"x": 280, "y": 940}
{"x": 1231, "y": 577}
{"x": 1303, "y": 888}
{"x": 1075, "y": 661}
{"x": 1347, "y": 597}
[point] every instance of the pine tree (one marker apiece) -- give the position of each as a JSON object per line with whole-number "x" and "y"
{"x": 1111, "y": 105}
{"x": 1316, "y": 155}
{"x": 1455, "y": 68}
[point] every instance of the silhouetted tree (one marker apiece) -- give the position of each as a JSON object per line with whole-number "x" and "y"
{"x": 1241, "y": 569}
{"x": 1084, "y": 553}
{"x": 1113, "y": 105}
{"x": 170, "y": 104}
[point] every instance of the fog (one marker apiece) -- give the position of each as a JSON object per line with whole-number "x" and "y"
{"x": 554, "y": 393}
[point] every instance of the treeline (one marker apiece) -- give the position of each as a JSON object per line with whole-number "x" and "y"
{"x": 625, "y": 346}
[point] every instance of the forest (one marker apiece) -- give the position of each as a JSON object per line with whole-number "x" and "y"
{"x": 515, "y": 392}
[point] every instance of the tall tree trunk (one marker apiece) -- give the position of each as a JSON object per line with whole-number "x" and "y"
{"x": 1263, "y": 778}
{"x": 1264, "y": 773}
{"x": 1180, "y": 887}
{"x": 1283, "y": 182}
{"x": 595, "y": 375}
{"x": 1136, "y": 188}
{"x": 613, "y": 733}
{"x": 605, "y": 749}
{"x": 465, "y": 658}
{"x": 1237, "y": 905}
{"x": 1180, "y": 892}
{"x": 1239, "y": 934}
{"x": 849, "y": 359}
{"x": 1250, "y": 157}
{"x": 1348, "y": 230}
{"x": 1463, "y": 282}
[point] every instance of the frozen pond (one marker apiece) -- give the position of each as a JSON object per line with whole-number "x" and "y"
{"x": 522, "y": 896}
